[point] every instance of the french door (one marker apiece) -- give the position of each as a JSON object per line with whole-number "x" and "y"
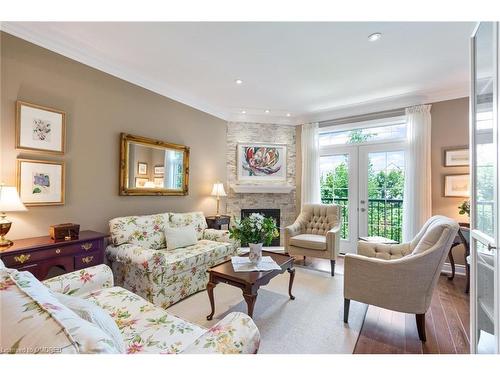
{"x": 367, "y": 182}
{"x": 381, "y": 186}
{"x": 484, "y": 260}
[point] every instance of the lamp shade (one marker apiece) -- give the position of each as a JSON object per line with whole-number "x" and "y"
{"x": 9, "y": 200}
{"x": 218, "y": 190}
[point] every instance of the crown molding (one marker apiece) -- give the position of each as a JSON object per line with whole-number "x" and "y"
{"x": 21, "y": 31}
{"x": 56, "y": 45}
{"x": 383, "y": 104}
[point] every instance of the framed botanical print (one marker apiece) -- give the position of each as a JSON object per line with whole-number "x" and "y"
{"x": 142, "y": 168}
{"x": 456, "y": 157}
{"x": 158, "y": 181}
{"x": 456, "y": 185}
{"x": 261, "y": 162}
{"x": 140, "y": 182}
{"x": 159, "y": 169}
{"x": 39, "y": 128}
{"x": 40, "y": 182}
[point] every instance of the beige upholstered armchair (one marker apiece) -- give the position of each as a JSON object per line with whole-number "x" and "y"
{"x": 400, "y": 277}
{"x": 315, "y": 233}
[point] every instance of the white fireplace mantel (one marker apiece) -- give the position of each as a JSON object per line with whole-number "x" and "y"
{"x": 262, "y": 188}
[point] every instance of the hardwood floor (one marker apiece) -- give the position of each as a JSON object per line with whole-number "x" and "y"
{"x": 390, "y": 332}
{"x": 447, "y": 325}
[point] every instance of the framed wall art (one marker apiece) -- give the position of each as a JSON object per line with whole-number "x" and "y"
{"x": 158, "y": 181}
{"x": 142, "y": 168}
{"x": 456, "y": 157}
{"x": 456, "y": 185}
{"x": 261, "y": 162}
{"x": 159, "y": 169}
{"x": 140, "y": 182}
{"x": 40, "y": 129}
{"x": 40, "y": 182}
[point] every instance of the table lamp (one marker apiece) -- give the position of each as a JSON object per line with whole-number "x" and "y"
{"x": 9, "y": 202}
{"x": 218, "y": 191}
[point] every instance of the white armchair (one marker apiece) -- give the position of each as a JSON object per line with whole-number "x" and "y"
{"x": 400, "y": 277}
{"x": 315, "y": 233}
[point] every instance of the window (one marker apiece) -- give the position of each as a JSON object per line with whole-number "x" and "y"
{"x": 381, "y": 133}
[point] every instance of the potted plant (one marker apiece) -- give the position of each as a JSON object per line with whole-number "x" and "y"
{"x": 256, "y": 230}
{"x": 464, "y": 208}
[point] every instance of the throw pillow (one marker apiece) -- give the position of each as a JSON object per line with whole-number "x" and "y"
{"x": 180, "y": 237}
{"x": 95, "y": 315}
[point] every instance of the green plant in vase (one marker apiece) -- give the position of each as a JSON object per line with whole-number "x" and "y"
{"x": 256, "y": 230}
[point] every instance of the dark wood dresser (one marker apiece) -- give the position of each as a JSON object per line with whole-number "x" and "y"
{"x": 39, "y": 254}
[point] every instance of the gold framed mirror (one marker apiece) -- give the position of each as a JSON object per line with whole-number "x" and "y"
{"x": 152, "y": 167}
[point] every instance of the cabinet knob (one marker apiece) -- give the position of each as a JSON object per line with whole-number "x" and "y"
{"x": 87, "y": 246}
{"x": 88, "y": 259}
{"x": 58, "y": 251}
{"x": 22, "y": 258}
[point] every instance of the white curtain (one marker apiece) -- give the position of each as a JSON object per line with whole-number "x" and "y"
{"x": 310, "y": 164}
{"x": 417, "y": 204}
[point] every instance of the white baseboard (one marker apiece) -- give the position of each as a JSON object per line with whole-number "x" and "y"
{"x": 459, "y": 269}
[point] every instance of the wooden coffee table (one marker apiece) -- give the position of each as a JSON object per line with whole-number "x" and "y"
{"x": 248, "y": 282}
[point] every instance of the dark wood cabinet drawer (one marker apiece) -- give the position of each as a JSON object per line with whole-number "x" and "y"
{"x": 18, "y": 260}
{"x": 38, "y": 255}
{"x": 57, "y": 250}
{"x": 87, "y": 260}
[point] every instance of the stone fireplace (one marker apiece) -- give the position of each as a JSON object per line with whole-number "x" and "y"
{"x": 266, "y": 212}
{"x": 283, "y": 201}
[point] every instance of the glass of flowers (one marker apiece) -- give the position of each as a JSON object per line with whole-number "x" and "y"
{"x": 256, "y": 230}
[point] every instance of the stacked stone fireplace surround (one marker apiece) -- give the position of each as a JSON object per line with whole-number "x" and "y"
{"x": 268, "y": 133}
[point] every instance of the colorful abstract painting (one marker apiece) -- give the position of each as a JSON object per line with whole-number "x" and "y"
{"x": 261, "y": 162}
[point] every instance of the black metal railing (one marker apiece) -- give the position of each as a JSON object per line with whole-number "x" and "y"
{"x": 485, "y": 211}
{"x": 385, "y": 217}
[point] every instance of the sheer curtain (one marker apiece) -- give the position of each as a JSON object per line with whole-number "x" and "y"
{"x": 310, "y": 164}
{"x": 417, "y": 204}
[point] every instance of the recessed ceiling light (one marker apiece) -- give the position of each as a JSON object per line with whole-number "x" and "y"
{"x": 267, "y": 111}
{"x": 238, "y": 81}
{"x": 243, "y": 112}
{"x": 288, "y": 115}
{"x": 374, "y": 37}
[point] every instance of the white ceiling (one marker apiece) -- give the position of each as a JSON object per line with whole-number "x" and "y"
{"x": 314, "y": 71}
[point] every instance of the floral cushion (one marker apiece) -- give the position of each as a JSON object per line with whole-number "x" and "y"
{"x": 235, "y": 334}
{"x": 82, "y": 281}
{"x": 149, "y": 329}
{"x": 146, "y": 231}
{"x": 145, "y": 328}
{"x": 195, "y": 219}
{"x": 34, "y": 321}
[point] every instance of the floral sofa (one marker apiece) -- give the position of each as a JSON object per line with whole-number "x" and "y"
{"x": 34, "y": 321}
{"x": 142, "y": 264}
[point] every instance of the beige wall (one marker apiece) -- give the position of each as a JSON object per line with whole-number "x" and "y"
{"x": 98, "y": 108}
{"x": 450, "y": 128}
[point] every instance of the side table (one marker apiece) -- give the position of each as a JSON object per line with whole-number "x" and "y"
{"x": 216, "y": 222}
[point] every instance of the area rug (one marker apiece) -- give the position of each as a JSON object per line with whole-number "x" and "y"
{"x": 310, "y": 324}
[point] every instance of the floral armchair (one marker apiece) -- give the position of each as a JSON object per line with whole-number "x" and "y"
{"x": 141, "y": 263}
{"x": 33, "y": 319}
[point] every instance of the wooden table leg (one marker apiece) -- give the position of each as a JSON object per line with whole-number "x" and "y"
{"x": 210, "y": 291}
{"x": 452, "y": 263}
{"x": 291, "y": 271}
{"x": 250, "y": 300}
